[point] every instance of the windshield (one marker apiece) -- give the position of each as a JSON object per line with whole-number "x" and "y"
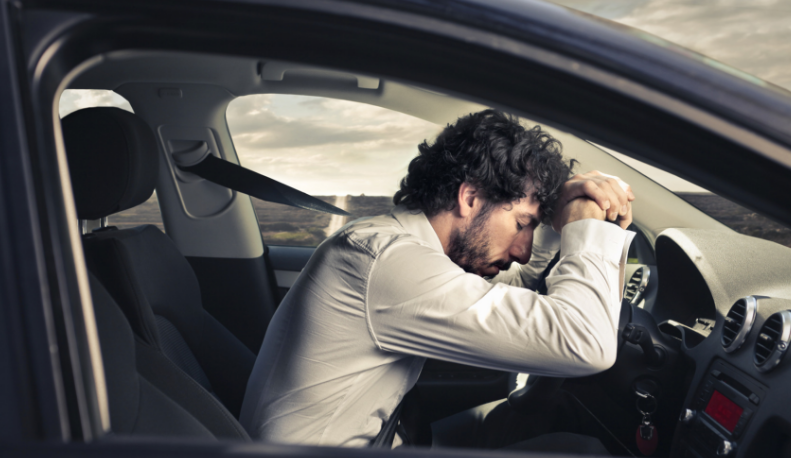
{"x": 733, "y": 215}
{"x": 741, "y": 38}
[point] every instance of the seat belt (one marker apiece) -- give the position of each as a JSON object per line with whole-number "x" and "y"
{"x": 202, "y": 163}
{"x": 541, "y": 287}
{"x": 386, "y": 435}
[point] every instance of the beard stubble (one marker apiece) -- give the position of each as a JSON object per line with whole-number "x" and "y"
{"x": 469, "y": 248}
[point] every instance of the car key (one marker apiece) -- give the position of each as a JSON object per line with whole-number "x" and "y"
{"x": 647, "y": 436}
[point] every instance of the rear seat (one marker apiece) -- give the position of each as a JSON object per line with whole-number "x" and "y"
{"x": 181, "y": 349}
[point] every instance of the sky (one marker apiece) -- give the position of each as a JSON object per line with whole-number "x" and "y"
{"x": 325, "y": 146}
{"x": 72, "y": 100}
{"x": 334, "y": 147}
{"x": 751, "y": 35}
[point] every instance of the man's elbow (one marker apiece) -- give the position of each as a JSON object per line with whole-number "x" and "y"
{"x": 600, "y": 356}
{"x": 608, "y": 356}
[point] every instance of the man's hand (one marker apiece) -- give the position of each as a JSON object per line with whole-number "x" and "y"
{"x": 577, "y": 209}
{"x": 610, "y": 193}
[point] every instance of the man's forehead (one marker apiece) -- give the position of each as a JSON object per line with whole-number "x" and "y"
{"x": 528, "y": 208}
{"x": 533, "y": 216}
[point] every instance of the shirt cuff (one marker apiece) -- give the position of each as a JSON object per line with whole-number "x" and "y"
{"x": 593, "y": 236}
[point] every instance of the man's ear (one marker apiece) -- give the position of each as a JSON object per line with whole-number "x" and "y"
{"x": 468, "y": 194}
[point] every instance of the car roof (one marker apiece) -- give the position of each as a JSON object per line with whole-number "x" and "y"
{"x": 618, "y": 48}
{"x": 245, "y": 76}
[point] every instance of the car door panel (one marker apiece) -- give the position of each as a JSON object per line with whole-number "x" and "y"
{"x": 446, "y": 388}
{"x": 287, "y": 263}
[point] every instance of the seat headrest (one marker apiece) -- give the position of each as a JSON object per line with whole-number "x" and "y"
{"x": 113, "y": 160}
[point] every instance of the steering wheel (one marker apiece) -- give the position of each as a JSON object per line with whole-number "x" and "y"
{"x": 539, "y": 389}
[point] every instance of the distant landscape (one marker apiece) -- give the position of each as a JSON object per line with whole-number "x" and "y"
{"x": 283, "y": 225}
{"x": 739, "y": 218}
{"x": 279, "y": 224}
{"x": 145, "y": 213}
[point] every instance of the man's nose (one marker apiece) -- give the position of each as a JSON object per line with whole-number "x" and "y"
{"x": 521, "y": 249}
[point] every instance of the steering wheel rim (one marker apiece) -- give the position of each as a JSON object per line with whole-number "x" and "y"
{"x": 539, "y": 389}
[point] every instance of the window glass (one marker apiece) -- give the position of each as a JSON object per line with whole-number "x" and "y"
{"x": 145, "y": 213}
{"x": 734, "y": 216}
{"x": 349, "y": 154}
{"x": 72, "y": 100}
{"x": 77, "y": 99}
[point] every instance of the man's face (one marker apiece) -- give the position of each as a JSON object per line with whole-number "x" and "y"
{"x": 496, "y": 236}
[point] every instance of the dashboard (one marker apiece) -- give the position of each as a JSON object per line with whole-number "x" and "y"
{"x": 722, "y": 316}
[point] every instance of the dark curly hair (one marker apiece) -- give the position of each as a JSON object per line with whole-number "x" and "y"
{"x": 492, "y": 151}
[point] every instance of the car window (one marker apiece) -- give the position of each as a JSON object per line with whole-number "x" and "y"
{"x": 77, "y": 99}
{"x": 145, "y": 213}
{"x": 349, "y": 154}
{"x": 736, "y": 217}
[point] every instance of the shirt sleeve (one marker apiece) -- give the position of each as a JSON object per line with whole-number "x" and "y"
{"x": 419, "y": 302}
{"x": 546, "y": 244}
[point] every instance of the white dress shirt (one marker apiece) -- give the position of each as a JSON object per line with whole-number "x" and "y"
{"x": 380, "y": 296}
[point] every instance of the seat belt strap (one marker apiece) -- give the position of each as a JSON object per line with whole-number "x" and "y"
{"x": 385, "y": 437}
{"x": 238, "y": 178}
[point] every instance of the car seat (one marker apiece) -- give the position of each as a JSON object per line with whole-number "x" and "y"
{"x": 181, "y": 349}
{"x": 136, "y": 406}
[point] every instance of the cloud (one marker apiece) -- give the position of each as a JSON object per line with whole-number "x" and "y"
{"x": 72, "y": 100}
{"x": 318, "y": 145}
{"x": 751, "y": 35}
{"x": 325, "y": 146}
{"x": 265, "y": 129}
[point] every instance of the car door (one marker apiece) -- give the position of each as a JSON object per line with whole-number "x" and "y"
{"x": 554, "y": 65}
{"x": 52, "y": 382}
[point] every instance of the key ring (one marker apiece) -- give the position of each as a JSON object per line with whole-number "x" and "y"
{"x": 647, "y": 398}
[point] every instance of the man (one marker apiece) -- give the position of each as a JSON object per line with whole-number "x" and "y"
{"x": 383, "y": 294}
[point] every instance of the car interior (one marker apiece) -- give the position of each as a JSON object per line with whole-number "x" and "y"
{"x": 198, "y": 299}
{"x": 181, "y": 313}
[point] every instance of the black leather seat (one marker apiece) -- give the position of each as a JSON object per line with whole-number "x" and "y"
{"x": 181, "y": 349}
{"x": 136, "y": 406}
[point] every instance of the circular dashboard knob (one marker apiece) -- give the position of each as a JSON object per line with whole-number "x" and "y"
{"x": 686, "y": 416}
{"x": 725, "y": 448}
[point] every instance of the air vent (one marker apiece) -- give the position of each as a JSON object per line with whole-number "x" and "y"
{"x": 772, "y": 341}
{"x": 636, "y": 286}
{"x": 738, "y": 323}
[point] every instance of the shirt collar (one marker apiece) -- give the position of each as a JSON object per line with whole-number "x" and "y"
{"x": 416, "y": 223}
